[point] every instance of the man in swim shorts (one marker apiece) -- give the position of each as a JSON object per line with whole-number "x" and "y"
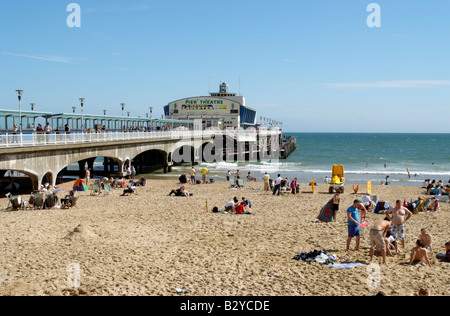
{"x": 399, "y": 216}
{"x": 378, "y": 233}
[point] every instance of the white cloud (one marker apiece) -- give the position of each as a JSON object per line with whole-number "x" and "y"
{"x": 56, "y": 59}
{"x": 391, "y": 84}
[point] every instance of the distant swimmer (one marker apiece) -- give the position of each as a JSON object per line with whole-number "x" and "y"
{"x": 385, "y": 165}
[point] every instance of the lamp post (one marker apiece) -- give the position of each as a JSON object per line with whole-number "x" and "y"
{"x": 19, "y": 96}
{"x": 104, "y": 112}
{"x": 32, "y": 106}
{"x": 74, "y": 108}
{"x": 123, "y": 108}
{"x": 82, "y": 122}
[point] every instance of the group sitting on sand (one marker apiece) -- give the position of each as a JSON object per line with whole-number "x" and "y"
{"x": 236, "y": 207}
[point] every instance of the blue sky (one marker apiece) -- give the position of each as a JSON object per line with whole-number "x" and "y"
{"x": 315, "y": 65}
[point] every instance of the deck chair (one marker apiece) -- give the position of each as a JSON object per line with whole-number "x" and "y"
{"x": 232, "y": 183}
{"x": 15, "y": 202}
{"x": 73, "y": 201}
{"x": 38, "y": 202}
{"x": 241, "y": 183}
{"x": 107, "y": 188}
{"x": 50, "y": 201}
{"x": 96, "y": 189}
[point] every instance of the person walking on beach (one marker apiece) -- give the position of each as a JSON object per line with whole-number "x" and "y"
{"x": 336, "y": 200}
{"x": 293, "y": 186}
{"x": 88, "y": 175}
{"x": 204, "y": 174}
{"x": 277, "y": 185}
{"x": 400, "y": 215}
{"x": 378, "y": 232}
{"x": 192, "y": 174}
{"x": 353, "y": 224}
{"x": 266, "y": 179}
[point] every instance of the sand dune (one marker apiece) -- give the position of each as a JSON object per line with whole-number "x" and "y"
{"x": 152, "y": 244}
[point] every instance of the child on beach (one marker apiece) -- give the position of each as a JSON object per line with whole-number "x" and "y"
{"x": 426, "y": 239}
{"x": 336, "y": 200}
{"x": 419, "y": 254}
{"x": 353, "y": 224}
{"x": 447, "y": 254}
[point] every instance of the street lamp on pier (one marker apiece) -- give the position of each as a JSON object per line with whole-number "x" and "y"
{"x": 82, "y": 122}
{"x": 19, "y": 96}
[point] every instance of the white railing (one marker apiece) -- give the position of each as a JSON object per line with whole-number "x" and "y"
{"x": 11, "y": 140}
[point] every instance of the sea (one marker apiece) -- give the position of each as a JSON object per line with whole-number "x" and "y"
{"x": 364, "y": 157}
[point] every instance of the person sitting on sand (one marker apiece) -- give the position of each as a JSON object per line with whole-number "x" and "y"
{"x": 66, "y": 202}
{"x": 129, "y": 190}
{"x": 378, "y": 232}
{"x": 419, "y": 254}
{"x": 231, "y": 206}
{"x": 447, "y": 254}
{"x": 250, "y": 178}
{"x": 246, "y": 202}
{"x": 391, "y": 244}
{"x": 426, "y": 239}
{"x": 240, "y": 209}
{"x": 180, "y": 192}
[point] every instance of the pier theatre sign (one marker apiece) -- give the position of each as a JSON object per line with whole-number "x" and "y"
{"x": 197, "y": 104}
{"x": 217, "y": 106}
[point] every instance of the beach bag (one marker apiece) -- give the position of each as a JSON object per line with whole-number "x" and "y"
{"x": 215, "y": 209}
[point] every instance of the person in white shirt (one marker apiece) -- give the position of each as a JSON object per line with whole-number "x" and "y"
{"x": 231, "y": 206}
{"x": 277, "y": 185}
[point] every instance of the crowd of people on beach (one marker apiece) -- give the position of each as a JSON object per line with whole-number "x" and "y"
{"x": 386, "y": 235}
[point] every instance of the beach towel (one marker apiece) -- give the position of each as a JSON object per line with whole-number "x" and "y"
{"x": 346, "y": 265}
{"x": 326, "y": 214}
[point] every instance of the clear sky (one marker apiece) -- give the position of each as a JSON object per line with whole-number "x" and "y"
{"x": 315, "y": 65}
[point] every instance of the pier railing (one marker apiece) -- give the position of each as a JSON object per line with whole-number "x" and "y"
{"x": 10, "y": 140}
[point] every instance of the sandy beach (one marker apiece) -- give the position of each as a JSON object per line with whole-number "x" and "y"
{"x": 152, "y": 244}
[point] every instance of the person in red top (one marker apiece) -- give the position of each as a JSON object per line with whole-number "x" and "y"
{"x": 240, "y": 209}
